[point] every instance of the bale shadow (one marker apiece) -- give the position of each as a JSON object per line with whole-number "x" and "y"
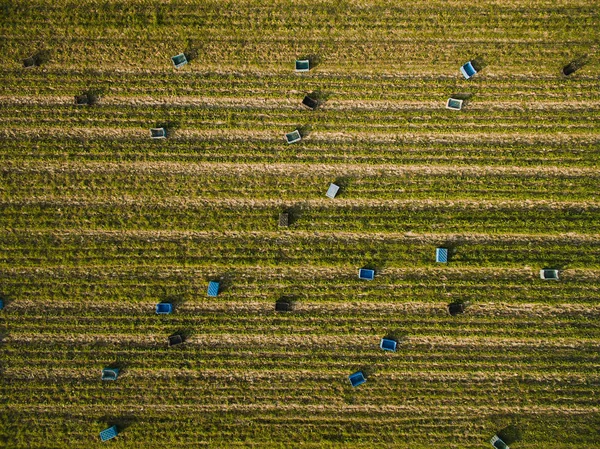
{"x": 191, "y": 53}
{"x": 294, "y": 213}
{"x": 367, "y": 370}
{"x": 313, "y": 59}
{"x": 175, "y": 300}
{"x": 89, "y": 97}
{"x": 452, "y": 245}
{"x": 319, "y": 95}
{"x": 225, "y": 281}
{"x": 185, "y": 332}
{"x": 343, "y": 182}
{"x": 377, "y": 264}
{"x": 511, "y": 434}
{"x": 371, "y": 266}
{"x": 37, "y": 59}
{"x": 479, "y": 63}
{"x": 558, "y": 264}
{"x": 304, "y": 130}
{"x": 170, "y": 127}
{"x": 119, "y": 364}
{"x": 398, "y": 335}
{"x": 122, "y": 422}
{"x": 464, "y": 96}
{"x": 575, "y": 65}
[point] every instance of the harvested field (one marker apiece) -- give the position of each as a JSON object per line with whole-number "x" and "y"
{"x": 99, "y": 223}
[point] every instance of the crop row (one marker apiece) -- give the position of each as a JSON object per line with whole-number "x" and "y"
{"x": 528, "y": 93}
{"x": 238, "y": 116}
{"x": 308, "y": 323}
{"x": 356, "y": 412}
{"x": 466, "y": 150}
{"x": 293, "y": 357}
{"x": 267, "y": 249}
{"x": 430, "y": 56}
{"x": 133, "y": 283}
{"x": 366, "y": 37}
{"x": 439, "y": 354}
{"x": 441, "y": 217}
{"x": 263, "y": 18}
{"x": 268, "y": 389}
{"x": 307, "y": 309}
{"x": 483, "y": 288}
{"x": 381, "y": 124}
{"x": 254, "y": 304}
{"x": 243, "y": 427}
{"x": 294, "y": 182}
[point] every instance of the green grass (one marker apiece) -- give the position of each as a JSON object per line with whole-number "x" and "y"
{"x": 98, "y": 223}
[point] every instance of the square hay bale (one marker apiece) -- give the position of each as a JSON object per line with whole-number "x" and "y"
{"x": 387, "y": 344}
{"x": 29, "y": 62}
{"x": 302, "y": 65}
{"x": 310, "y": 103}
{"x": 110, "y": 373}
{"x": 468, "y": 70}
{"x": 82, "y": 99}
{"x": 441, "y": 255}
{"x": 108, "y": 434}
{"x": 164, "y": 308}
{"x": 293, "y": 137}
{"x": 175, "y": 340}
{"x": 366, "y": 274}
{"x": 549, "y": 274}
{"x": 332, "y": 191}
{"x": 179, "y": 60}
{"x": 454, "y": 104}
{"x": 284, "y": 220}
{"x": 158, "y": 133}
{"x": 357, "y": 378}
{"x": 213, "y": 288}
